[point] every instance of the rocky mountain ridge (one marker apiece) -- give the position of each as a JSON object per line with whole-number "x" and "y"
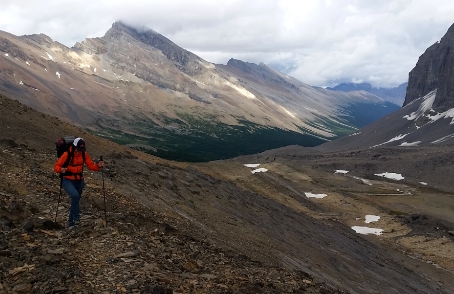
{"x": 137, "y": 87}
{"x": 433, "y": 72}
{"x": 395, "y": 95}
{"x": 426, "y": 117}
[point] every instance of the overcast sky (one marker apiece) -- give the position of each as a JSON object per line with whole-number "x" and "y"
{"x": 320, "y": 42}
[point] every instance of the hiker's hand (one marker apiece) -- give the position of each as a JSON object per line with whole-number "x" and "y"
{"x": 63, "y": 170}
{"x": 101, "y": 163}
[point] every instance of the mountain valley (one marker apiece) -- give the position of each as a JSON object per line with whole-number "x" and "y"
{"x": 214, "y": 227}
{"x": 367, "y": 211}
{"x": 394, "y": 95}
{"x": 137, "y": 88}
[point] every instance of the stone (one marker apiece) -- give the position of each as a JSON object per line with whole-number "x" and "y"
{"x": 150, "y": 289}
{"x": 126, "y": 254}
{"x": 22, "y": 288}
{"x": 56, "y": 251}
{"x": 5, "y": 253}
{"x": 208, "y": 276}
{"x": 60, "y": 290}
{"x": 29, "y": 226}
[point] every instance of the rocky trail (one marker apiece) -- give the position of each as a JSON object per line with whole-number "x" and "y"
{"x": 139, "y": 251}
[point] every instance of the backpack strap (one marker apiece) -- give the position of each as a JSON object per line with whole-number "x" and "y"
{"x": 69, "y": 159}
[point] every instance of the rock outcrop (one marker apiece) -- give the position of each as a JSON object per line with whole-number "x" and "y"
{"x": 434, "y": 70}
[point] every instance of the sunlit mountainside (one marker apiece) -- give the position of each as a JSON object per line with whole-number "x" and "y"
{"x": 138, "y": 88}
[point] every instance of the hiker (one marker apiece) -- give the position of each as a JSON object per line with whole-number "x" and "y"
{"x": 70, "y": 166}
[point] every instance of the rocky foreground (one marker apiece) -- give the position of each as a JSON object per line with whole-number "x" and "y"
{"x": 139, "y": 251}
{"x": 206, "y": 228}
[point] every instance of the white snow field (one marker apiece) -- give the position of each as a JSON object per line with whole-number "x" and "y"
{"x": 252, "y": 165}
{"x": 259, "y": 170}
{"x": 392, "y": 176}
{"x": 311, "y": 195}
{"x": 371, "y": 218}
{"x": 367, "y": 230}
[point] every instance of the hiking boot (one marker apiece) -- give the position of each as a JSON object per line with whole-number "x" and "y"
{"x": 71, "y": 230}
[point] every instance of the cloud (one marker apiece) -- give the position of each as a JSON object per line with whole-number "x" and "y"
{"x": 320, "y": 42}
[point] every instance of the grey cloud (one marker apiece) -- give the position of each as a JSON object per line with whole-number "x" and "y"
{"x": 318, "y": 42}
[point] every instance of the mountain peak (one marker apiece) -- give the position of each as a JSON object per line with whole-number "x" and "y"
{"x": 132, "y": 30}
{"x": 434, "y": 71}
{"x": 40, "y": 38}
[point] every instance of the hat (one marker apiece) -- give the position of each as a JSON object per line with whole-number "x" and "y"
{"x": 79, "y": 143}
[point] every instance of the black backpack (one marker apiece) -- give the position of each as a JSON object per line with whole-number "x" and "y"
{"x": 62, "y": 145}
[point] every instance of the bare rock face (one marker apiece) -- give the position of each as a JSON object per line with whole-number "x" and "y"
{"x": 121, "y": 34}
{"x": 40, "y": 39}
{"x": 434, "y": 70}
{"x": 261, "y": 70}
{"x": 91, "y": 46}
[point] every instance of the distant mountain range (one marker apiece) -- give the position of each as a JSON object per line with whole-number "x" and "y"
{"x": 138, "y": 88}
{"x": 427, "y": 116}
{"x": 394, "y": 95}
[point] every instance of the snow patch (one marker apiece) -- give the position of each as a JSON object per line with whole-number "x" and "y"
{"x": 27, "y": 63}
{"x": 410, "y": 144}
{"x": 445, "y": 138}
{"x": 371, "y": 218}
{"x": 366, "y": 230}
{"x": 259, "y": 170}
{"x": 392, "y": 176}
{"x": 367, "y": 182}
{"x": 50, "y": 56}
{"x": 252, "y": 165}
{"x": 396, "y": 138}
{"x": 6, "y": 54}
{"x": 427, "y": 103}
{"x": 311, "y": 195}
{"x": 340, "y": 171}
{"x": 447, "y": 114}
{"x": 58, "y": 74}
{"x": 423, "y": 183}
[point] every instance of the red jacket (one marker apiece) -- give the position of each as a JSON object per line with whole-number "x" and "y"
{"x": 75, "y": 166}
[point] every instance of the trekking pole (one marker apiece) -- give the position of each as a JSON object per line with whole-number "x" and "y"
{"x": 59, "y": 196}
{"x": 104, "y": 190}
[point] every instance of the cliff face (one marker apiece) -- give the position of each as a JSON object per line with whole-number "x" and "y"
{"x": 434, "y": 70}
